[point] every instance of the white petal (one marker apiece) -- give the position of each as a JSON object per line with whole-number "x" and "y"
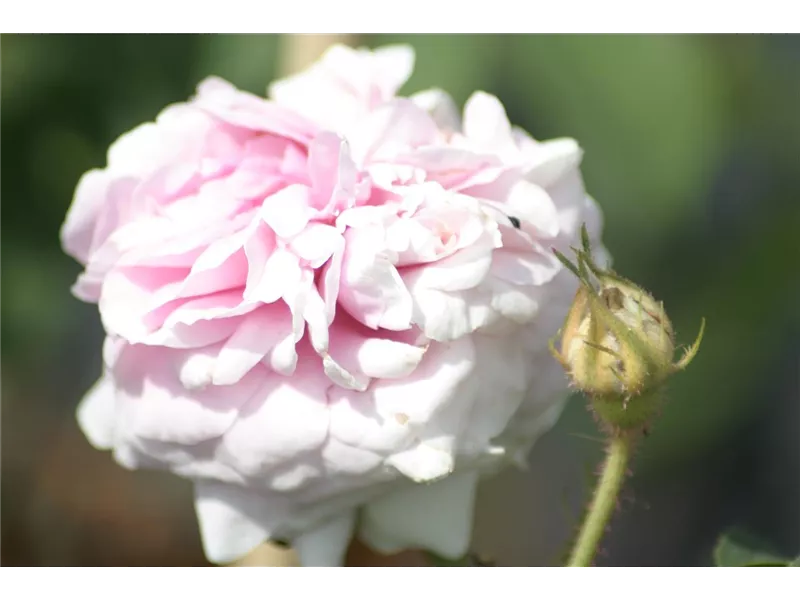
{"x": 233, "y": 521}
{"x": 258, "y": 334}
{"x": 280, "y": 275}
{"x": 340, "y": 376}
{"x": 442, "y": 316}
{"x": 287, "y": 211}
{"x": 284, "y": 423}
{"x": 392, "y": 66}
{"x": 283, "y": 358}
{"x": 440, "y": 106}
{"x": 389, "y": 359}
{"x": 533, "y": 205}
{"x": 463, "y": 270}
{"x": 371, "y": 289}
{"x": 486, "y": 123}
{"x": 315, "y": 314}
{"x": 424, "y": 463}
{"x": 532, "y": 268}
{"x": 326, "y": 545}
{"x": 551, "y": 160}
{"x": 437, "y": 516}
{"x": 96, "y": 414}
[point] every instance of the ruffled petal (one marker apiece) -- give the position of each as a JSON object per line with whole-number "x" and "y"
{"x": 233, "y": 520}
{"x": 436, "y": 516}
{"x": 96, "y": 413}
{"x": 326, "y": 545}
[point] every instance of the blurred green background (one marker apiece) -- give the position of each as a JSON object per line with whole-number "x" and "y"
{"x": 692, "y": 149}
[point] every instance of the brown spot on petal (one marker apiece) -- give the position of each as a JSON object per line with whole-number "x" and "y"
{"x": 614, "y": 298}
{"x": 401, "y": 418}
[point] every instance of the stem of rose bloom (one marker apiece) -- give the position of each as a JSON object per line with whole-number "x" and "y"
{"x": 603, "y": 502}
{"x": 358, "y": 555}
{"x": 269, "y": 555}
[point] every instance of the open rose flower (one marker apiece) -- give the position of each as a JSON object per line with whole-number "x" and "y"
{"x": 328, "y": 305}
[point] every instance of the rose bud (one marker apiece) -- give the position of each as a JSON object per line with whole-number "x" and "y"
{"x": 617, "y": 344}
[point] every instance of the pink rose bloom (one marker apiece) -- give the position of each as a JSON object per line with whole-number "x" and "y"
{"x": 331, "y": 309}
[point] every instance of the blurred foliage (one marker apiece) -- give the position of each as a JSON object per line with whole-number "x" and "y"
{"x": 737, "y": 549}
{"x": 691, "y": 147}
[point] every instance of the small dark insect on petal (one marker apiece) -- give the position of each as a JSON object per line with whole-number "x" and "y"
{"x": 515, "y": 222}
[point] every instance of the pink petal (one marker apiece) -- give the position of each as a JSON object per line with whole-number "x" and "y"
{"x": 525, "y": 268}
{"x": 287, "y": 212}
{"x": 443, "y": 316}
{"x": 440, "y": 162}
{"x": 156, "y": 405}
{"x": 352, "y": 82}
{"x": 283, "y": 358}
{"x": 286, "y": 418}
{"x": 77, "y": 232}
{"x": 332, "y": 172}
{"x": 371, "y": 289}
{"x": 486, "y": 123}
{"x": 224, "y": 101}
{"x": 358, "y": 350}
{"x": 257, "y": 334}
{"x": 258, "y": 248}
{"x": 316, "y": 244}
{"x": 261, "y": 170}
{"x": 315, "y": 314}
{"x": 392, "y": 129}
{"x": 330, "y": 281}
{"x": 280, "y": 276}
{"x": 387, "y": 418}
{"x": 223, "y": 266}
{"x": 440, "y": 106}
{"x": 463, "y": 270}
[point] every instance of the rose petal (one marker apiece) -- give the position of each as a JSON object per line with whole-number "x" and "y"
{"x": 153, "y": 403}
{"x": 258, "y": 333}
{"x": 96, "y": 413}
{"x": 353, "y": 347}
{"x": 371, "y": 289}
{"x": 439, "y": 104}
{"x": 233, "y": 520}
{"x": 287, "y": 212}
{"x": 286, "y": 418}
{"x": 224, "y": 101}
{"x": 394, "y": 128}
{"x": 325, "y": 546}
{"x": 436, "y": 516}
{"x": 486, "y": 124}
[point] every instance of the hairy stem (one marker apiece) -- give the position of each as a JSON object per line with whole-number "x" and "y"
{"x": 603, "y": 502}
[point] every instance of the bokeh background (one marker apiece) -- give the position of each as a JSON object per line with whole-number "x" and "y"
{"x": 692, "y": 149}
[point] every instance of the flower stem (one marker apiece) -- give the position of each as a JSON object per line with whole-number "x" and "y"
{"x": 603, "y": 502}
{"x": 268, "y": 554}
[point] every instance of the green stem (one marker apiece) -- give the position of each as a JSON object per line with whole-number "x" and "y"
{"x": 603, "y": 503}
